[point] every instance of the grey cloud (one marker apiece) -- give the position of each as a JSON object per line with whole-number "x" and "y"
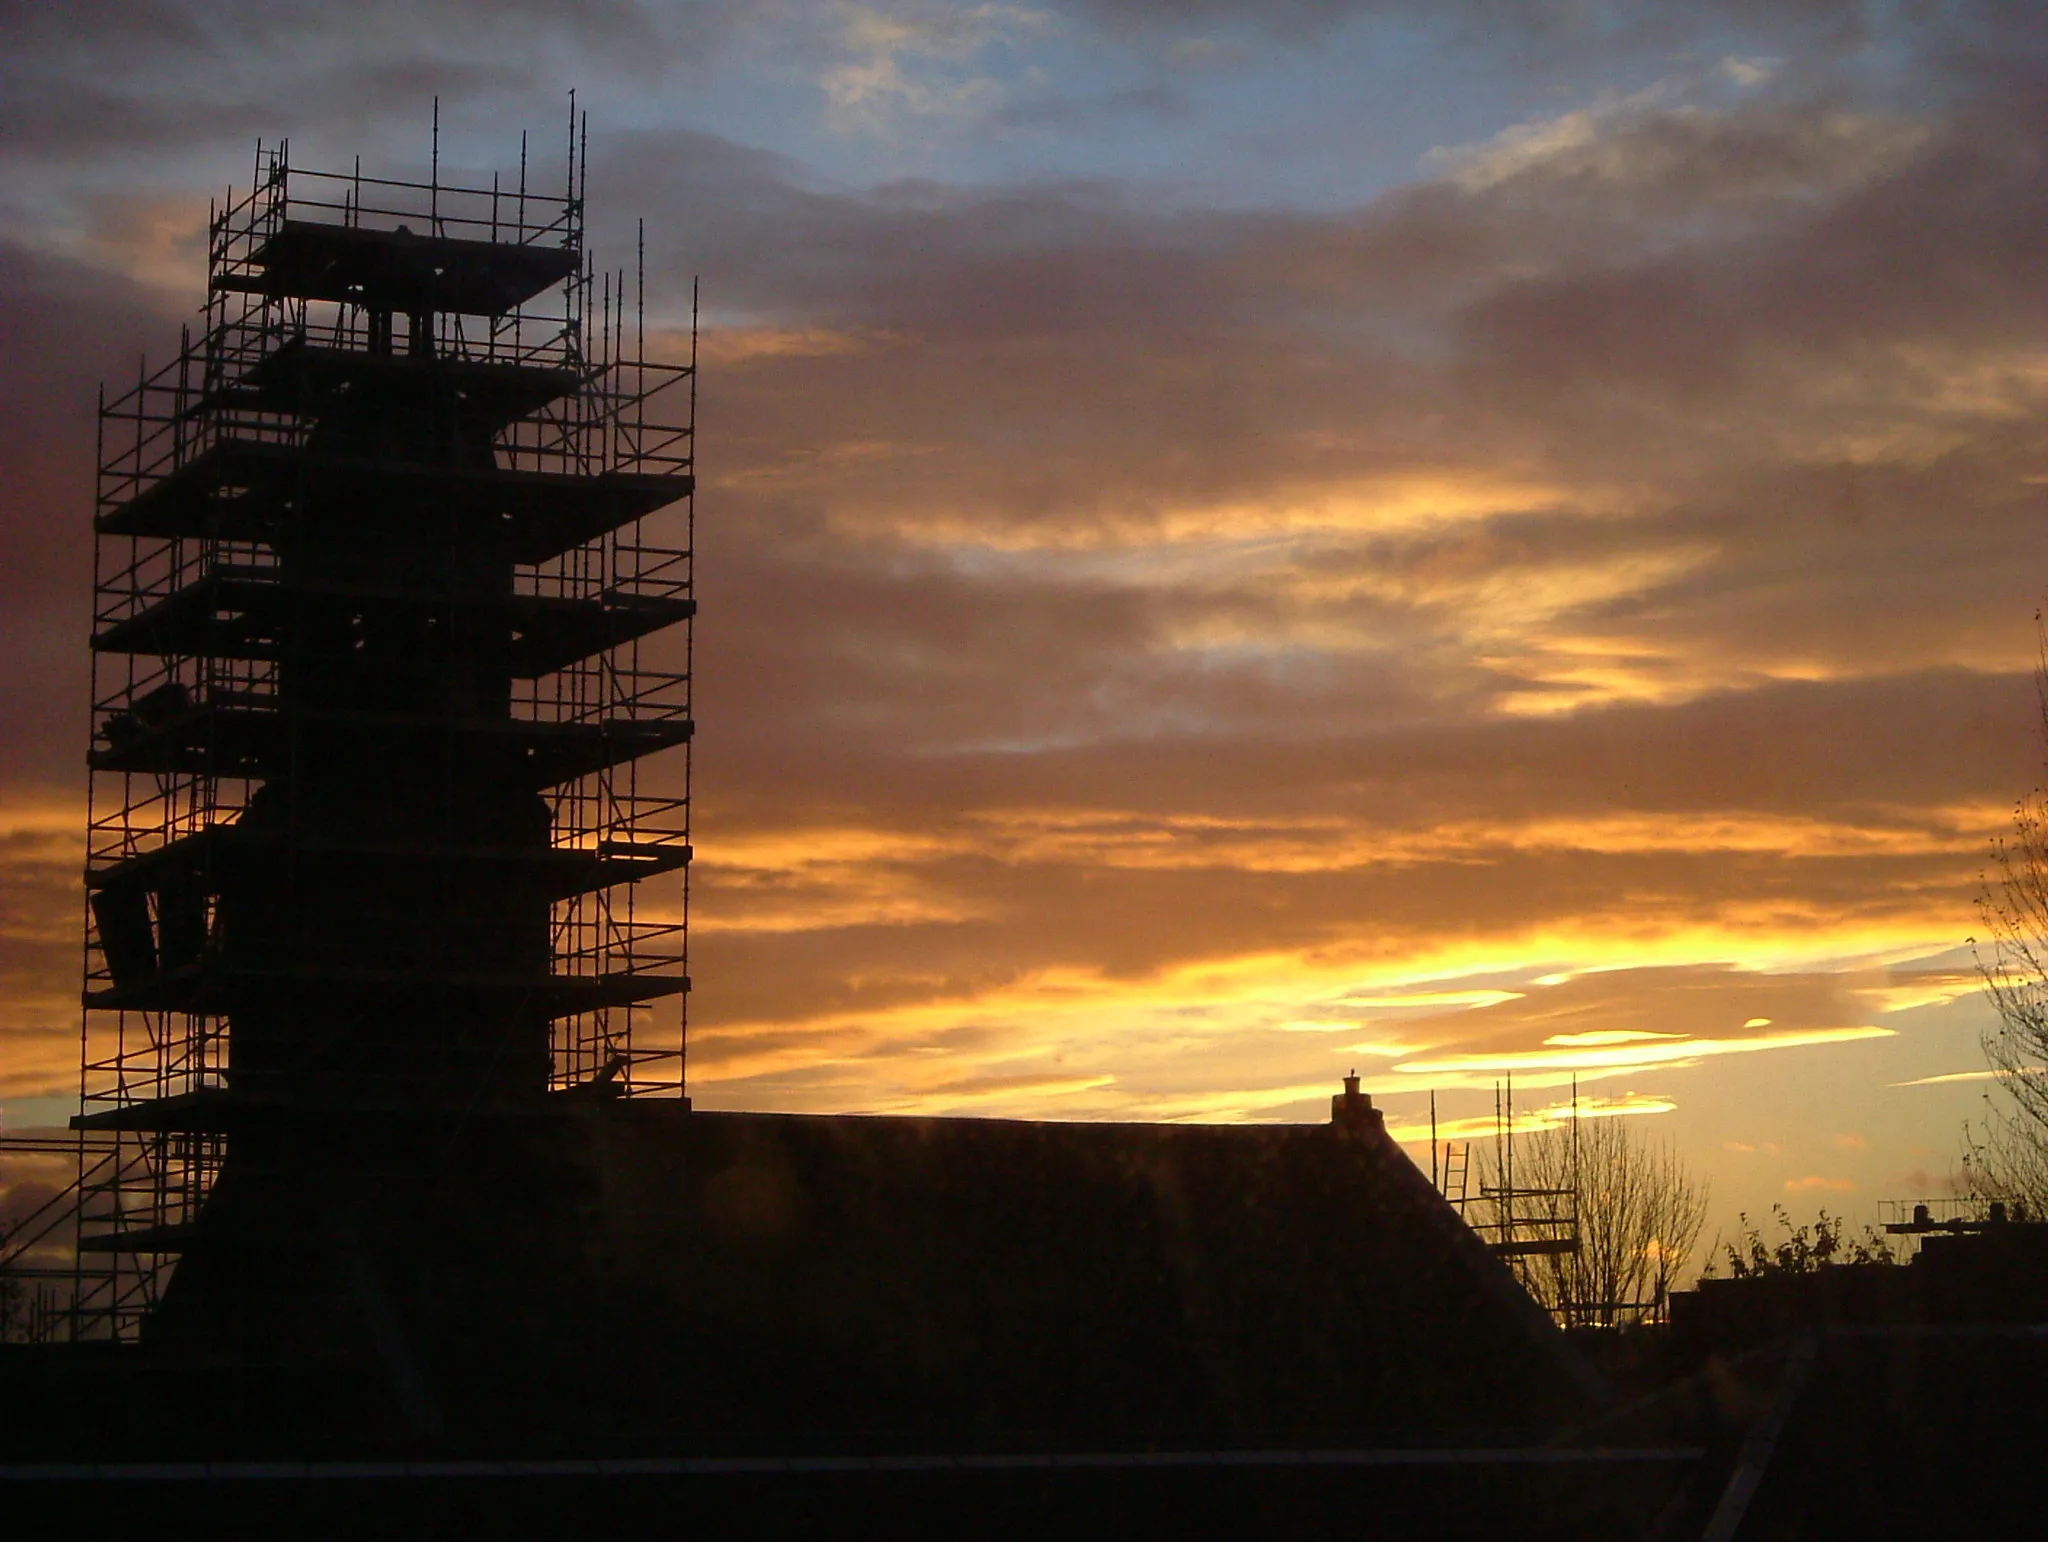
{"x": 1608, "y": 21}
{"x": 63, "y": 330}
{"x": 143, "y": 81}
{"x": 1907, "y": 744}
{"x": 1074, "y": 360}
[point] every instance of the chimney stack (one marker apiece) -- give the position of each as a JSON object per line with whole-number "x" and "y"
{"x": 1352, "y": 1109}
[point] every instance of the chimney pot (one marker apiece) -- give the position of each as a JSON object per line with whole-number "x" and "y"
{"x": 1352, "y": 1109}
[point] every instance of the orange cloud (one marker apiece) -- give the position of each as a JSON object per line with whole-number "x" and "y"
{"x": 1622, "y": 1057}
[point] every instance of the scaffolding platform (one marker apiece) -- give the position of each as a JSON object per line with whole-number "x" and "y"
{"x": 215, "y": 991}
{"x": 303, "y": 374}
{"x": 562, "y": 871}
{"x": 232, "y": 733}
{"x": 243, "y": 611}
{"x": 398, "y": 270}
{"x": 241, "y": 489}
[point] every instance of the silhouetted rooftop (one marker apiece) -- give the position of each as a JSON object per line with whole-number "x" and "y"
{"x": 630, "y": 1273}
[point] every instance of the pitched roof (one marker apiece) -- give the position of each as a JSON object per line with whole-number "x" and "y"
{"x": 650, "y": 1277}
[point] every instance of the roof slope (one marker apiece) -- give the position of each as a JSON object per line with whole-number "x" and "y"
{"x": 633, "y": 1275}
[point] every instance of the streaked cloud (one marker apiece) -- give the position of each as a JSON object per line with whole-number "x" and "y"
{"x": 1529, "y": 1121}
{"x": 1956, "y": 1076}
{"x": 1612, "y": 1058}
{"x": 1611, "y": 1036}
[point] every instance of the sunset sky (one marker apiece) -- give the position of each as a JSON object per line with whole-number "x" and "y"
{"x": 1237, "y": 540}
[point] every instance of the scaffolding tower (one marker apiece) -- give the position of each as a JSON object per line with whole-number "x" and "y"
{"x": 1528, "y": 1220}
{"x": 385, "y": 622}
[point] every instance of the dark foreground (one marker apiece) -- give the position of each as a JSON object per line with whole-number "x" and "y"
{"x": 614, "y": 1318}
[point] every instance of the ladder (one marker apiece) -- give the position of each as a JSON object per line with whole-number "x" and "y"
{"x": 1457, "y": 1169}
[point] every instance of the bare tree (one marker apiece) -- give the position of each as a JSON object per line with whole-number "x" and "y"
{"x": 2007, "y": 1157}
{"x": 1639, "y": 1214}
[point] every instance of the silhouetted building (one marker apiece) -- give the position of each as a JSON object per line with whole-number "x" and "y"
{"x": 373, "y": 592}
